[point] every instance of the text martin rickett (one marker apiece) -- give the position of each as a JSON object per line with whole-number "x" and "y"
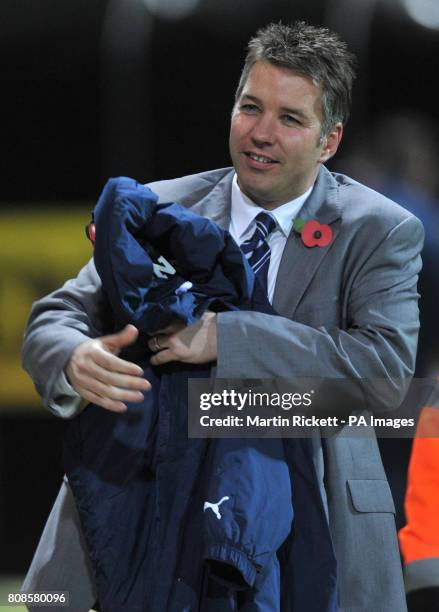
{"x": 276, "y": 421}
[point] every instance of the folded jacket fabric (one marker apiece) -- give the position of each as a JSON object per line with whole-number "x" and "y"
{"x": 174, "y": 523}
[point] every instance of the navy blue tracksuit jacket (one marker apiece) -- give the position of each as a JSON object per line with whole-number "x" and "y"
{"x": 140, "y": 484}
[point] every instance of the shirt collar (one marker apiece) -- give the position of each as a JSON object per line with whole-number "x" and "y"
{"x": 243, "y": 211}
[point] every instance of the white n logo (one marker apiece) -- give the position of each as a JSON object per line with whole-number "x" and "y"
{"x": 163, "y": 268}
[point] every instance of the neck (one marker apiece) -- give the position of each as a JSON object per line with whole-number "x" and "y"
{"x": 272, "y": 204}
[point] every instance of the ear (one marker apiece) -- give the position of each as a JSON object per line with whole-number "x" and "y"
{"x": 330, "y": 143}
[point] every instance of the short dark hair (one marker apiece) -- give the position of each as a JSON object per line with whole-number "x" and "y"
{"x": 313, "y": 52}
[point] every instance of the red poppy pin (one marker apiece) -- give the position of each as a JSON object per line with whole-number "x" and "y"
{"x": 313, "y": 233}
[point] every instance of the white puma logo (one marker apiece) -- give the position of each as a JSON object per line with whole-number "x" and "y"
{"x": 215, "y": 507}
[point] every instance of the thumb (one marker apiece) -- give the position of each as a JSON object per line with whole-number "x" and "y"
{"x": 115, "y": 342}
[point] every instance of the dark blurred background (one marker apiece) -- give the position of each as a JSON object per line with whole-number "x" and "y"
{"x": 98, "y": 88}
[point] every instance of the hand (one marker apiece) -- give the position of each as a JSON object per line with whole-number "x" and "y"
{"x": 193, "y": 344}
{"x": 100, "y": 377}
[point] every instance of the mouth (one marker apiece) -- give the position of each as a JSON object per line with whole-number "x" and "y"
{"x": 255, "y": 160}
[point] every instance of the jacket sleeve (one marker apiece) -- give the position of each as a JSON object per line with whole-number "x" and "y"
{"x": 377, "y": 346}
{"x": 57, "y": 324}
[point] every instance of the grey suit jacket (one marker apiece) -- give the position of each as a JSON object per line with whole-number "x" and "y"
{"x": 346, "y": 311}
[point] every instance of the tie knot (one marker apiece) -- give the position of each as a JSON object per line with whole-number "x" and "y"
{"x": 265, "y": 223}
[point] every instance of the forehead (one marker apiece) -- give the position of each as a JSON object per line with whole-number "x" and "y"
{"x": 283, "y": 87}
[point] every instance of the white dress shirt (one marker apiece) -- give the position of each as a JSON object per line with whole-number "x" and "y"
{"x": 242, "y": 226}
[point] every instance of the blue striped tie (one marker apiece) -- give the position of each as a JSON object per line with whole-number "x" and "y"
{"x": 256, "y": 248}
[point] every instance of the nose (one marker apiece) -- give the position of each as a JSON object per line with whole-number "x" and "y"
{"x": 263, "y": 132}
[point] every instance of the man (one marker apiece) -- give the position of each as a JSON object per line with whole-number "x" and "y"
{"x": 419, "y": 539}
{"x": 346, "y": 310}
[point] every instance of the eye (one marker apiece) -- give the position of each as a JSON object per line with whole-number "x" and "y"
{"x": 290, "y": 120}
{"x": 249, "y": 108}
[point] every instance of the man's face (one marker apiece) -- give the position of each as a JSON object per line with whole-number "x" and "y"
{"x": 275, "y": 135}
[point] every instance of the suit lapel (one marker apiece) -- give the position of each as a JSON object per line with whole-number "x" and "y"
{"x": 216, "y": 205}
{"x": 299, "y": 263}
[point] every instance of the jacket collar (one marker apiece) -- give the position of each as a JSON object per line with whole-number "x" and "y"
{"x": 216, "y": 205}
{"x": 322, "y": 204}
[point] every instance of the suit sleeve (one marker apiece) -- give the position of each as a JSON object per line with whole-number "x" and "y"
{"x": 377, "y": 346}
{"x": 57, "y": 324}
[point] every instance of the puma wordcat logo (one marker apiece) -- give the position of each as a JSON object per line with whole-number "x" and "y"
{"x": 215, "y": 507}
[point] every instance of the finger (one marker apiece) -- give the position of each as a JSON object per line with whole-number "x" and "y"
{"x": 109, "y": 391}
{"x": 162, "y": 357}
{"x": 106, "y": 403}
{"x": 157, "y": 339}
{"x": 116, "y": 364}
{"x": 125, "y": 337}
{"x": 125, "y": 381}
